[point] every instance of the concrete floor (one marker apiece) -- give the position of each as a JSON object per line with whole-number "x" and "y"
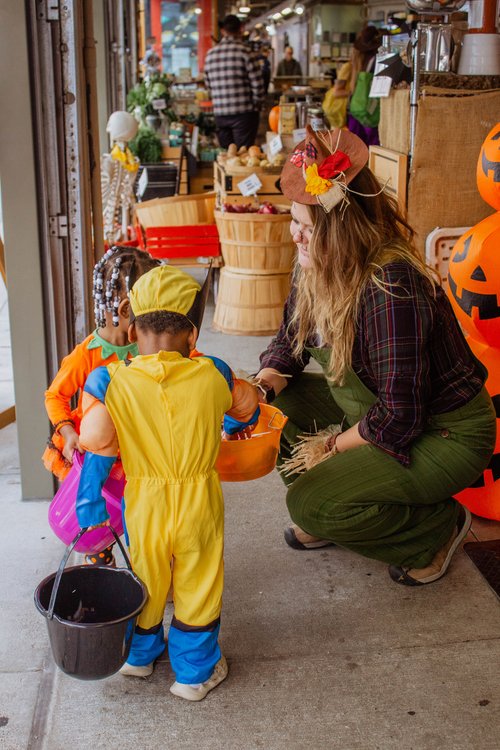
{"x": 325, "y": 652}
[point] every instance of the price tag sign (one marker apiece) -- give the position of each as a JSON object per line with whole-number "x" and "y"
{"x": 275, "y": 145}
{"x": 143, "y": 183}
{"x": 194, "y": 140}
{"x": 299, "y": 135}
{"x": 159, "y": 103}
{"x": 250, "y": 185}
{"x": 381, "y": 87}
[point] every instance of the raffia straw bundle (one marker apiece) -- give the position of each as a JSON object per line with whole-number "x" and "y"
{"x": 309, "y": 451}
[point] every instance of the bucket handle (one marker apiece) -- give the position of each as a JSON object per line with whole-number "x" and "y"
{"x": 69, "y": 550}
{"x": 281, "y": 421}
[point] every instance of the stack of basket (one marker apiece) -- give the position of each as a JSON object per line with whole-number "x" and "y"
{"x": 178, "y": 210}
{"x": 258, "y": 255}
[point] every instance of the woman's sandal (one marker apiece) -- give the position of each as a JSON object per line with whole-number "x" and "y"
{"x": 402, "y": 575}
{"x": 297, "y": 538}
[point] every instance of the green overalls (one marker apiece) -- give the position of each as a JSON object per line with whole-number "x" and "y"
{"x": 364, "y": 499}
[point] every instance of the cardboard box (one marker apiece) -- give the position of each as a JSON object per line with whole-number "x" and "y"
{"x": 287, "y": 119}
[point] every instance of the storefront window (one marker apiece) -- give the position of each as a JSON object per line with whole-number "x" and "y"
{"x": 179, "y": 23}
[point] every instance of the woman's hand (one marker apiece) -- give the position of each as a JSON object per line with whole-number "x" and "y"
{"x": 270, "y": 380}
{"x": 71, "y": 442}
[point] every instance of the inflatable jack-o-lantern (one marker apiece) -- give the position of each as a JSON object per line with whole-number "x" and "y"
{"x": 474, "y": 280}
{"x": 488, "y": 169}
{"x": 483, "y": 497}
{"x": 474, "y": 292}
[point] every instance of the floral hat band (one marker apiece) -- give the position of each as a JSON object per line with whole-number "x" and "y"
{"x": 321, "y": 167}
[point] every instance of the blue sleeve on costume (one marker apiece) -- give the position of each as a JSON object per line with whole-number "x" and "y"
{"x": 90, "y": 504}
{"x": 232, "y": 425}
{"x": 223, "y": 368}
{"x": 97, "y": 383}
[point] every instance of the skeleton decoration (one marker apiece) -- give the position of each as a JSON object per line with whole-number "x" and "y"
{"x": 118, "y": 173}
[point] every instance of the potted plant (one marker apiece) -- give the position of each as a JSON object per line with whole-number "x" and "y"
{"x": 149, "y": 100}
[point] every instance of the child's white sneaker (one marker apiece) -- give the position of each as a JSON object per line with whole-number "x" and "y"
{"x": 198, "y": 692}
{"x": 133, "y": 670}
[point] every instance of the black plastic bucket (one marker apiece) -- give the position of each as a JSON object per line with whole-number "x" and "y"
{"x": 91, "y": 613}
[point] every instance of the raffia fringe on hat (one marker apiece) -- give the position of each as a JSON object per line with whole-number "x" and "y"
{"x": 309, "y": 451}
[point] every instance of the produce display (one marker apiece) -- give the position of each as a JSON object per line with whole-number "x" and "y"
{"x": 248, "y": 208}
{"x": 251, "y": 158}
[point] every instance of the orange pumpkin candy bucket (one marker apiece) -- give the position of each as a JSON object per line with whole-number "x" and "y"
{"x": 243, "y": 460}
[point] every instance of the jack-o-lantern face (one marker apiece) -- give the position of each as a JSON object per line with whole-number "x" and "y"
{"x": 488, "y": 168}
{"x": 474, "y": 280}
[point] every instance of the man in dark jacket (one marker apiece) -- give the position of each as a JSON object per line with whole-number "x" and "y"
{"x": 289, "y": 66}
{"x": 234, "y": 77}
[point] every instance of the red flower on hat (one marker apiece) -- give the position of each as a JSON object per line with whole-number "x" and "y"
{"x": 334, "y": 165}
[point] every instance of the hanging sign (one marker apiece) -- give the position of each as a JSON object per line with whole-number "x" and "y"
{"x": 250, "y": 185}
{"x": 159, "y": 103}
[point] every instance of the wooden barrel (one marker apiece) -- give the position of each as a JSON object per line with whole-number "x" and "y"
{"x": 250, "y": 304}
{"x": 256, "y": 243}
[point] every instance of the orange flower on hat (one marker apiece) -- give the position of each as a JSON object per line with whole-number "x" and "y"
{"x": 315, "y": 184}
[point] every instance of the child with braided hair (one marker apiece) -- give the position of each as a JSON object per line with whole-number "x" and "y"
{"x": 108, "y": 343}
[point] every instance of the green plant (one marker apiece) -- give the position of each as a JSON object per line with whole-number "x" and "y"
{"x": 145, "y": 92}
{"x": 146, "y": 146}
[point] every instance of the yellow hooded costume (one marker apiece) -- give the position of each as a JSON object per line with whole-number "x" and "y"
{"x": 164, "y": 413}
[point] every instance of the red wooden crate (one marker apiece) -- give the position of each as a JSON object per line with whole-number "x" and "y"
{"x": 183, "y": 241}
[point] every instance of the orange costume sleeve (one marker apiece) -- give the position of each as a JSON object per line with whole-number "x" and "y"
{"x": 69, "y": 380}
{"x": 245, "y": 401}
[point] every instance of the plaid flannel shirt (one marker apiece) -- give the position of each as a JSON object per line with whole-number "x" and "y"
{"x": 408, "y": 350}
{"x": 234, "y": 77}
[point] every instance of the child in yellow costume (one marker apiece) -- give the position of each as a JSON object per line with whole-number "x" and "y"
{"x": 163, "y": 410}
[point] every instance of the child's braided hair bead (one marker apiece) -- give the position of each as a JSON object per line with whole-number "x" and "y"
{"x": 111, "y": 279}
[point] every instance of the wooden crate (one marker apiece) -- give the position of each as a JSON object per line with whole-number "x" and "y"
{"x": 391, "y": 169}
{"x": 226, "y": 186}
{"x": 203, "y": 179}
{"x": 173, "y": 154}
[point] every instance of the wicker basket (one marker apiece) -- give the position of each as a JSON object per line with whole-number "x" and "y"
{"x": 249, "y": 304}
{"x": 256, "y": 243}
{"x": 179, "y": 210}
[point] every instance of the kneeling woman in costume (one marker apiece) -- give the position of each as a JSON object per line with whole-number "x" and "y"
{"x": 417, "y": 425}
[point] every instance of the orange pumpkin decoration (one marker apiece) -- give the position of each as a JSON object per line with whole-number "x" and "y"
{"x": 483, "y": 497}
{"x": 274, "y": 116}
{"x": 488, "y": 168}
{"x": 474, "y": 281}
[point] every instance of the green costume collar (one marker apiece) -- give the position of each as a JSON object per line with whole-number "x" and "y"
{"x": 122, "y": 352}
